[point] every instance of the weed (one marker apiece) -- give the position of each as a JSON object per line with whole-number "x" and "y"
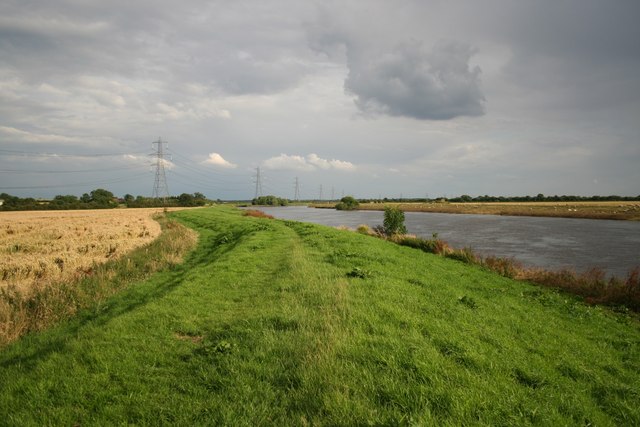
{"x": 364, "y": 229}
{"x": 465, "y": 255}
{"x": 507, "y": 267}
{"x": 256, "y": 213}
{"x": 468, "y": 301}
{"x": 359, "y": 273}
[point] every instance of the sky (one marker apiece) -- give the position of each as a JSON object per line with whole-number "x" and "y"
{"x": 368, "y": 98}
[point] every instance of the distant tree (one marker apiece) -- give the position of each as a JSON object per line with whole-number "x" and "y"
{"x": 199, "y": 199}
{"x": 102, "y": 198}
{"x": 129, "y": 200}
{"x": 269, "y": 201}
{"x": 186, "y": 200}
{"x": 347, "y": 203}
{"x": 64, "y": 202}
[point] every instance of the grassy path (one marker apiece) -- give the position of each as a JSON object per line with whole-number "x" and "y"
{"x": 282, "y": 323}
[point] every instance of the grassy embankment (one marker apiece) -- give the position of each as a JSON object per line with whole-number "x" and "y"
{"x": 588, "y": 210}
{"x": 283, "y": 323}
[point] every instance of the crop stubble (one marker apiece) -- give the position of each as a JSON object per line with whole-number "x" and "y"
{"x": 48, "y": 247}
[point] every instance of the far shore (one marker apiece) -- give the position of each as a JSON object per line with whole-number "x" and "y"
{"x": 628, "y": 211}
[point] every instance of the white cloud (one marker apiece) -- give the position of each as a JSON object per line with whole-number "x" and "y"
{"x": 309, "y": 163}
{"x": 217, "y": 160}
{"x": 285, "y": 161}
{"x": 321, "y": 163}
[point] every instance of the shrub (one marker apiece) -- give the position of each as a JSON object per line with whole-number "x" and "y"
{"x": 347, "y": 203}
{"x": 270, "y": 201}
{"x": 393, "y": 221}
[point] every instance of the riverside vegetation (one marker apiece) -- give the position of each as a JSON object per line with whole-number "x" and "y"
{"x": 271, "y": 322}
{"x": 592, "y": 284}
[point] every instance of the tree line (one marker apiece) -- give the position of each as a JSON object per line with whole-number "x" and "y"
{"x": 465, "y": 198}
{"x": 98, "y": 199}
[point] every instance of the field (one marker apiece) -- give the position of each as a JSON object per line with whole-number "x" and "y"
{"x": 56, "y": 263}
{"x": 274, "y": 322}
{"x": 47, "y": 247}
{"x": 589, "y": 210}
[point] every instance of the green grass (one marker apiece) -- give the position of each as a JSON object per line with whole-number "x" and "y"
{"x": 282, "y": 323}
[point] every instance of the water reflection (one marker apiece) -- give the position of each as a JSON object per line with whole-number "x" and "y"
{"x": 550, "y": 243}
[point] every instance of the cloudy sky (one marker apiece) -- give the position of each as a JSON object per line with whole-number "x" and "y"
{"x": 370, "y": 98}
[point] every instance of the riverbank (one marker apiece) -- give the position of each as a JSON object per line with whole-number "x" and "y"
{"x": 629, "y": 211}
{"x": 272, "y": 322}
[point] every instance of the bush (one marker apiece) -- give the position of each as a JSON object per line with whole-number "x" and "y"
{"x": 347, "y": 203}
{"x": 393, "y": 221}
{"x": 270, "y": 201}
{"x": 364, "y": 229}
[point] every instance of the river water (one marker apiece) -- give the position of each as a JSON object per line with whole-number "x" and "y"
{"x": 549, "y": 243}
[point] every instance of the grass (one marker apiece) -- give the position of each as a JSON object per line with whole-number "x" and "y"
{"x": 592, "y": 284}
{"x": 274, "y": 322}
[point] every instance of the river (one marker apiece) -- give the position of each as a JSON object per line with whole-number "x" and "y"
{"x": 549, "y": 243}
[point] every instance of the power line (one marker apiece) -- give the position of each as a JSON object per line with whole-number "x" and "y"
{"x": 77, "y": 184}
{"x": 30, "y": 153}
{"x": 25, "y": 171}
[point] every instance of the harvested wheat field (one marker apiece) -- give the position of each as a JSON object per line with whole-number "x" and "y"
{"x": 47, "y": 247}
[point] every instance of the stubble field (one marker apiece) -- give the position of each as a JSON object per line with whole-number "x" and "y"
{"x": 47, "y": 247}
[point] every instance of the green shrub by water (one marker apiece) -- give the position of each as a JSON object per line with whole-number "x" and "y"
{"x": 283, "y": 323}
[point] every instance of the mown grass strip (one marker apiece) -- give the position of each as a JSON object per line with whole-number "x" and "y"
{"x": 264, "y": 325}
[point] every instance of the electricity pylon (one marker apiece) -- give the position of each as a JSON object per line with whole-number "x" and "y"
{"x": 258, "y": 183}
{"x": 296, "y": 195}
{"x": 160, "y": 188}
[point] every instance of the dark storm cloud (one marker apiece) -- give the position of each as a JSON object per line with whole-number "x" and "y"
{"x": 236, "y": 48}
{"x": 401, "y": 78}
{"x": 582, "y": 55}
{"x": 412, "y": 82}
